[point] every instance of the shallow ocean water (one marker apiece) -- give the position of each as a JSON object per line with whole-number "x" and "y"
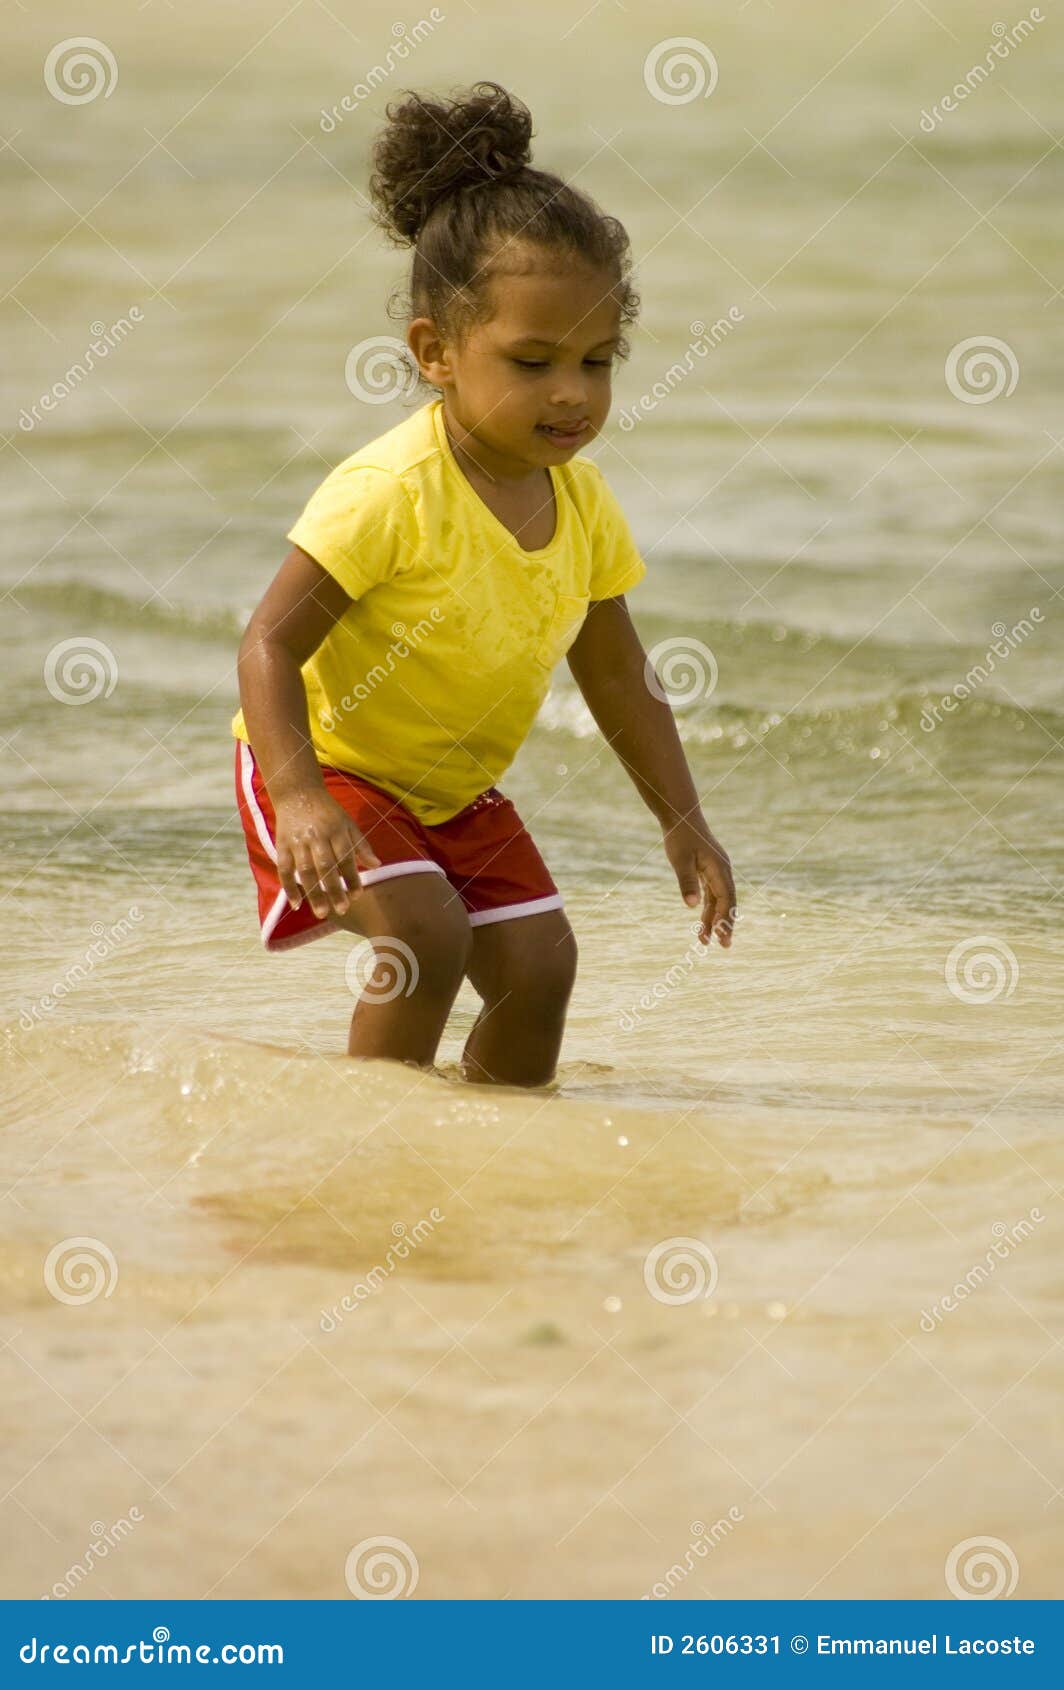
{"x": 850, "y": 1114}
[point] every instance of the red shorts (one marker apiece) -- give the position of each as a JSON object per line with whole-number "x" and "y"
{"x": 485, "y": 852}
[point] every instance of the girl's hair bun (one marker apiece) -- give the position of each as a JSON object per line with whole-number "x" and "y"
{"x": 431, "y": 148}
{"x": 453, "y": 178}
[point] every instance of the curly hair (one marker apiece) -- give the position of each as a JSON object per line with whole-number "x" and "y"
{"x": 453, "y": 179}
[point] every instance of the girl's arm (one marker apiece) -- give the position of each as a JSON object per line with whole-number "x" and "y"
{"x": 317, "y": 842}
{"x": 609, "y": 666}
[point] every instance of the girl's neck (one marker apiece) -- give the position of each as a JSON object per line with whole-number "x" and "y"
{"x": 483, "y": 464}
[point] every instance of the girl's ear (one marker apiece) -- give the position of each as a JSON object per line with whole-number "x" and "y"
{"x": 430, "y": 351}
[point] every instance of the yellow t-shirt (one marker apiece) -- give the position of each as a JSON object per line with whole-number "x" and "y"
{"x": 430, "y": 681}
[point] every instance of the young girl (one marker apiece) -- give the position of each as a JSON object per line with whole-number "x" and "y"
{"x": 399, "y": 657}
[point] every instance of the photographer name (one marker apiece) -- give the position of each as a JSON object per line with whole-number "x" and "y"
{"x": 826, "y": 1645}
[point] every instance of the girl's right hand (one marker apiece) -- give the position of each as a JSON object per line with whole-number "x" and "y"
{"x": 318, "y": 848}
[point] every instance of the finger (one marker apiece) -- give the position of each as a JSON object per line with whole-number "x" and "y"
{"x": 286, "y": 874}
{"x": 330, "y": 885}
{"x": 716, "y": 917}
{"x": 306, "y": 874}
{"x": 705, "y": 928}
{"x": 730, "y": 914}
{"x": 347, "y": 862}
{"x": 687, "y": 879}
{"x": 724, "y": 915}
{"x": 719, "y": 894}
{"x": 309, "y": 877}
{"x": 364, "y": 851}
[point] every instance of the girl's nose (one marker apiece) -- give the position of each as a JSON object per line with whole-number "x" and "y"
{"x": 569, "y": 395}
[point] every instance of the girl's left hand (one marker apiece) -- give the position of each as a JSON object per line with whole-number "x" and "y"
{"x": 703, "y": 870}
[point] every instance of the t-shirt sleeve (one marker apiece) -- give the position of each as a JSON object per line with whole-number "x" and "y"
{"x": 616, "y": 562}
{"x": 360, "y": 525}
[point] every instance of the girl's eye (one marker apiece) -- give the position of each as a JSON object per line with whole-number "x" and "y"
{"x": 542, "y": 363}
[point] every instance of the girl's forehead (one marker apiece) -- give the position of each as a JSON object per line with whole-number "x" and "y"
{"x": 574, "y": 302}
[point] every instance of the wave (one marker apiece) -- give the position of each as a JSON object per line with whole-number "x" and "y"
{"x": 100, "y": 607}
{"x": 220, "y": 1127}
{"x": 830, "y": 727}
{"x": 196, "y": 1149}
{"x": 896, "y": 682}
{"x": 872, "y": 423}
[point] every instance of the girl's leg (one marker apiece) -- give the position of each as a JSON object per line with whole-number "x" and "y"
{"x": 524, "y": 970}
{"x": 421, "y": 935}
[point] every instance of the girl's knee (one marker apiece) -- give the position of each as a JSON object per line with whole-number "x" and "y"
{"x": 559, "y": 965}
{"x": 541, "y": 985}
{"x": 426, "y": 930}
{"x": 438, "y": 943}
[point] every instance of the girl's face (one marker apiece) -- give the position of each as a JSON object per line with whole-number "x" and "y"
{"x": 530, "y": 385}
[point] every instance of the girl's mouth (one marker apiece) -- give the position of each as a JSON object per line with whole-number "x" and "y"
{"x": 570, "y": 436}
